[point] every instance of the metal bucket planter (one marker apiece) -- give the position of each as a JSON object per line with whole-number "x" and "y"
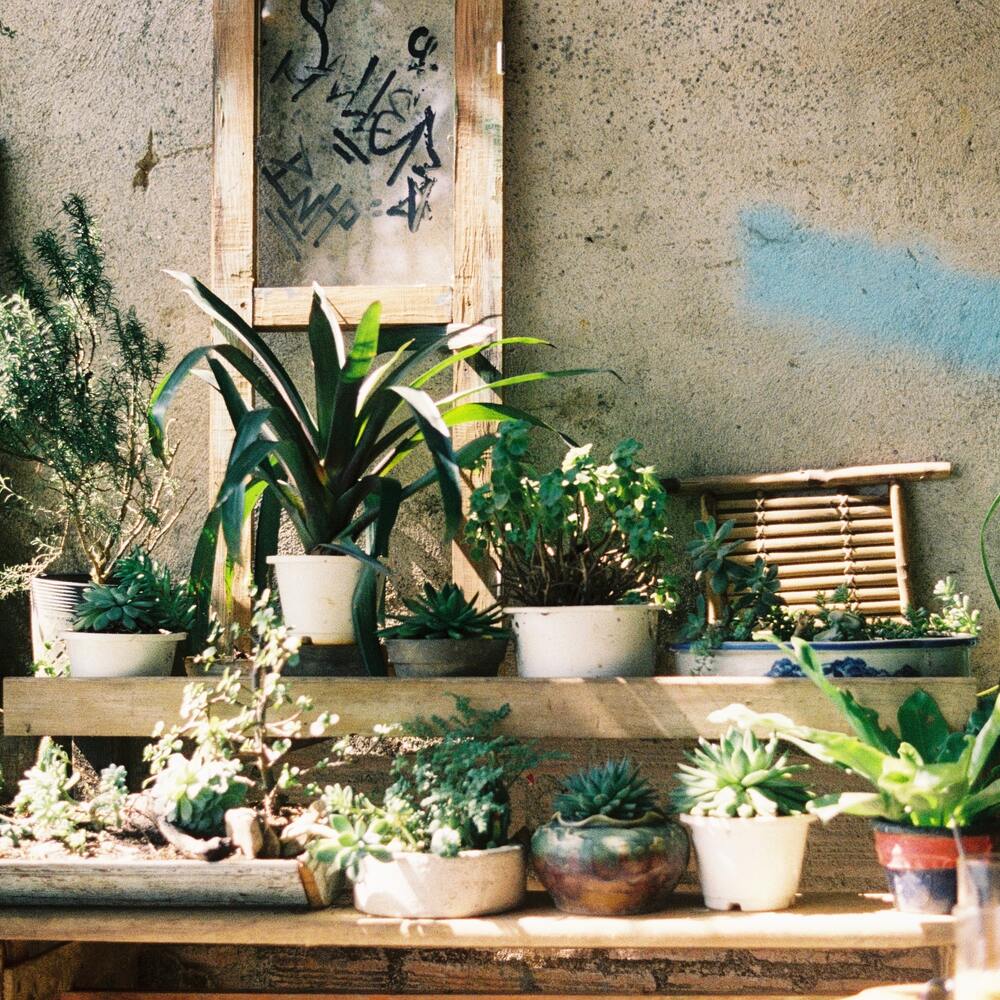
{"x": 54, "y": 602}
{"x": 945, "y": 657}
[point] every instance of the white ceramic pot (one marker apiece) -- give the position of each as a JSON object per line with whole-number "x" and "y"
{"x": 415, "y": 885}
{"x": 316, "y": 594}
{"x": 103, "y": 654}
{"x": 944, "y": 657}
{"x": 602, "y": 640}
{"x": 749, "y": 864}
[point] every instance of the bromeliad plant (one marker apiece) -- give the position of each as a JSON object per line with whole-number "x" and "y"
{"x": 333, "y": 469}
{"x": 582, "y": 534}
{"x": 453, "y": 794}
{"x": 925, "y": 775}
{"x": 446, "y": 614}
{"x": 739, "y": 776}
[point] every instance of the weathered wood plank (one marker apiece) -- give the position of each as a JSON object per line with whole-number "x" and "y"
{"x": 288, "y": 308}
{"x": 106, "y": 995}
{"x": 823, "y": 921}
{"x": 618, "y": 708}
{"x": 90, "y": 882}
{"x": 59, "y": 969}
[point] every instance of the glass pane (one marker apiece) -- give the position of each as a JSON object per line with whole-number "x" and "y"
{"x": 356, "y": 142}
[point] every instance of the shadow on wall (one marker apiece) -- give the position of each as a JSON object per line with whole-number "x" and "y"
{"x": 896, "y": 295}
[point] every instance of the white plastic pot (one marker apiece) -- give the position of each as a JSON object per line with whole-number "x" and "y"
{"x": 316, "y": 594}
{"x": 103, "y": 654}
{"x": 749, "y": 864}
{"x": 601, "y": 640}
{"x": 413, "y": 885}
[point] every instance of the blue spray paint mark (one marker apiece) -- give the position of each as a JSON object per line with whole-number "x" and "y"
{"x": 897, "y": 296}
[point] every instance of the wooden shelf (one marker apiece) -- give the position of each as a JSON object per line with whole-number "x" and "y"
{"x": 829, "y": 921}
{"x": 648, "y": 708}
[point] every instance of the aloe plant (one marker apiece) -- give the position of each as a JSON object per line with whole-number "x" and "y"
{"x": 925, "y": 775}
{"x": 332, "y": 469}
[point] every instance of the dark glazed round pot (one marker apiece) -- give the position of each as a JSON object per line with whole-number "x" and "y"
{"x": 920, "y": 863}
{"x": 603, "y": 868}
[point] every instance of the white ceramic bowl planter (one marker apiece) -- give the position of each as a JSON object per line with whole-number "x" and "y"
{"x": 413, "y": 884}
{"x": 606, "y": 640}
{"x": 107, "y": 654}
{"x": 749, "y": 864}
{"x": 316, "y": 593}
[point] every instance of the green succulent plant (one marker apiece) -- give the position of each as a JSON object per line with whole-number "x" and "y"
{"x": 195, "y": 792}
{"x": 446, "y": 614}
{"x": 740, "y": 776}
{"x": 612, "y": 791}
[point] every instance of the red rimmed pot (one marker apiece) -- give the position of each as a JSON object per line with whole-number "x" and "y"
{"x": 920, "y": 863}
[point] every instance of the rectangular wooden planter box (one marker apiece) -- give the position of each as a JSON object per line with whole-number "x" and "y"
{"x": 281, "y": 884}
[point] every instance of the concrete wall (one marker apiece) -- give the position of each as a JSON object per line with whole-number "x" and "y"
{"x": 777, "y": 219}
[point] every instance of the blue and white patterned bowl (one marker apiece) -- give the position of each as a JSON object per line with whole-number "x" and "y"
{"x": 946, "y": 657}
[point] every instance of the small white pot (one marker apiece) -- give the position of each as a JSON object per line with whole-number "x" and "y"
{"x": 103, "y": 654}
{"x": 414, "y": 885}
{"x": 749, "y": 864}
{"x": 600, "y": 640}
{"x": 316, "y": 594}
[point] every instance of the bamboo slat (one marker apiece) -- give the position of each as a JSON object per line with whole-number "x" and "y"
{"x": 859, "y": 475}
{"x": 798, "y": 542}
{"x": 859, "y": 598}
{"x": 899, "y": 532}
{"x": 790, "y": 558}
{"x": 841, "y": 526}
{"x": 617, "y": 708}
{"x": 826, "y": 584}
{"x": 727, "y": 505}
{"x": 817, "y": 514}
{"x": 827, "y": 921}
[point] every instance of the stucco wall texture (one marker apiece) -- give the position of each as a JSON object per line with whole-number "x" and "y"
{"x": 776, "y": 220}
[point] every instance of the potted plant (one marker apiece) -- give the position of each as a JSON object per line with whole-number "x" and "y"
{"x": 609, "y": 849}
{"x": 746, "y": 811}
{"x": 935, "y": 792}
{"x": 76, "y": 373}
{"x": 223, "y": 787}
{"x": 446, "y": 635}
{"x": 133, "y": 625}
{"x": 332, "y": 468}
{"x": 583, "y": 549}
{"x": 438, "y": 844}
{"x": 750, "y": 611}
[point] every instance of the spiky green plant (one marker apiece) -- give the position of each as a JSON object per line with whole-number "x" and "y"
{"x": 739, "y": 776}
{"x": 612, "y": 791}
{"x": 446, "y": 614}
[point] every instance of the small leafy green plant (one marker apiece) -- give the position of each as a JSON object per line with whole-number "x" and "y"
{"x": 141, "y": 598}
{"x": 453, "y": 794}
{"x": 45, "y": 808}
{"x": 925, "y": 775}
{"x": 581, "y": 534}
{"x": 446, "y": 614}
{"x": 613, "y": 793}
{"x": 739, "y": 776}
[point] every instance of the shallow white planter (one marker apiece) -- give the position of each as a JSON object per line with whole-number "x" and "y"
{"x": 944, "y": 657}
{"x": 415, "y": 885}
{"x": 316, "y": 594}
{"x": 601, "y": 640}
{"x": 749, "y": 864}
{"x": 102, "y": 654}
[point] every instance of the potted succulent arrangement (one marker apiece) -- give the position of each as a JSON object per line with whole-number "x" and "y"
{"x": 751, "y": 611}
{"x": 446, "y": 635}
{"x": 133, "y": 625}
{"x": 583, "y": 549}
{"x": 332, "y": 468}
{"x": 222, "y": 789}
{"x": 76, "y": 373}
{"x": 609, "y": 849}
{"x": 935, "y": 793}
{"x": 746, "y": 811}
{"x": 438, "y": 845}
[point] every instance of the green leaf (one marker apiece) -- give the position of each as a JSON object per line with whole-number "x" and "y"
{"x": 922, "y": 725}
{"x": 982, "y": 747}
{"x": 470, "y": 352}
{"x": 326, "y": 345}
{"x": 365, "y": 347}
{"x": 364, "y": 613}
{"x": 828, "y": 807}
{"x": 266, "y": 538}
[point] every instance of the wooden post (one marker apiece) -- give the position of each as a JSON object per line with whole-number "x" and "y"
{"x": 478, "y": 290}
{"x": 233, "y": 222}
{"x": 899, "y": 542}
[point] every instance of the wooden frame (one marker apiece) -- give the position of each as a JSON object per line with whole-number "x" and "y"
{"x": 477, "y": 289}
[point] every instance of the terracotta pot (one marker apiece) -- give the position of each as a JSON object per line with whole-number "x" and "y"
{"x": 446, "y": 657}
{"x": 413, "y": 885}
{"x": 920, "y": 863}
{"x": 605, "y": 868}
